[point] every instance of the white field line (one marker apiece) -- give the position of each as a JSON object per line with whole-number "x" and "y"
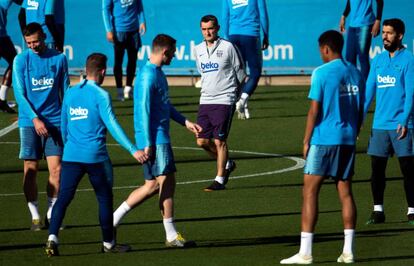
{"x": 8, "y": 129}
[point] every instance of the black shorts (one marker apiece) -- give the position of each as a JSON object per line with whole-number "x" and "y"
{"x": 7, "y": 50}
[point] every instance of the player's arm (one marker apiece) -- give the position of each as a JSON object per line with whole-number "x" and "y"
{"x": 313, "y": 114}
{"x": 362, "y": 93}
{"x": 180, "y": 119}
{"x": 344, "y": 15}
{"x": 408, "y": 103}
{"x": 22, "y": 19}
{"x": 370, "y": 88}
{"x": 225, "y": 19}
{"x": 65, "y": 81}
{"x": 377, "y": 24}
{"x": 108, "y": 117}
{"x": 238, "y": 64}
{"x": 264, "y": 23}
{"x": 18, "y": 2}
{"x": 64, "y": 122}
{"x": 51, "y": 24}
{"x": 141, "y": 18}
{"x": 107, "y": 9}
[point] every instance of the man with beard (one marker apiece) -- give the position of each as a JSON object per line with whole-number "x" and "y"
{"x": 391, "y": 81}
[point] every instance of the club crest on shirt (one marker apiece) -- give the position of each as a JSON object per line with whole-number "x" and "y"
{"x": 219, "y": 53}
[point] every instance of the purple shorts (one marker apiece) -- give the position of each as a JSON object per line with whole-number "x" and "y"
{"x": 215, "y": 119}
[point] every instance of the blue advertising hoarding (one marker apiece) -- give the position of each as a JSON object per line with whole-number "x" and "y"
{"x": 294, "y": 28}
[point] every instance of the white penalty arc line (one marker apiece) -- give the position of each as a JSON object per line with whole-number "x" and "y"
{"x": 299, "y": 163}
{"x": 8, "y": 129}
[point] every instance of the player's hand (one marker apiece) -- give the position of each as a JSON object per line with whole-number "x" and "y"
{"x": 142, "y": 29}
{"x": 305, "y": 150}
{"x": 376, "y": 28}
{"x": 193, "y": 127}
{"x": 140, "y": 156}
{"x": 401, "y": 131}
{"x": 265, "y": 43}
{"x": 40, "y": 127}
{"x": 148, "y": 151}
{"x": 110, "y": 36}
{"x": 342, "y": 24}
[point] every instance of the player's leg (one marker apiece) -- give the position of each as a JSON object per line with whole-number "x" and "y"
{"x": 132, "y": 46}
{"x": 71, "y": 174}
{"x": 31, "y": 151}
{"x": 53, "y": 149}
{"x": 364, "y": 44}
{"x": 351, "y": 46}
{"x": 137, "y": 197}
{"x": 119, "y": 52}
{"x": 379, "y": 147}
{"x": 7, "y": 52}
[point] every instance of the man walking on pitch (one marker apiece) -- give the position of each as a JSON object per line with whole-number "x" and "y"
{"x": 242, "y": 22}
{"x": 222, "y": 74}
{"x": 86, "y": 116}
{"x": 391, "y": 81}
{"x": 333, "y": 122}
{"x": 40, "y": 78}
{"x": 124, "y": 23}
{"x": 152, "y": 114}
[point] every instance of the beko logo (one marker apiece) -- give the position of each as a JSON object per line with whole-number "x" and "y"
{"x": 78, "y": 113}
{"x": 32, "y": 5}
{"x": 209, "y": 67}
{"x": 45, "y": 83}
{"x": 239, "y": 3}
{"x": 387, "y": 81}
{"x": 348, "y": 89}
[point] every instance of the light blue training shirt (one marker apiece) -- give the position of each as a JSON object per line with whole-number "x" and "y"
{"x": 39, "y": 83}
{"x": 122, "y": 15}
{"x": 339, "y": 88}
{"x": 86, "y": 115}
{"x": 361, "y": 14}
{"x": 244, "y": 17}
{"x": 36, "y": 12}
{"x": 152, "y": 107}
{"x": 391, "y": 80}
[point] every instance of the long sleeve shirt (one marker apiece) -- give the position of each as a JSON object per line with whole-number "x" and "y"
{"x": 152, "y": 107}
{"x": 39, "y": 83}
{"x": 122, "y": 15}
{"x": 87, "y": 114}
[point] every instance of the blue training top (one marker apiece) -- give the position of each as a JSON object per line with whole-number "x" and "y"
{"x": 339, "y": 88}
{"x": 122, "y": 15}
{"x": 4, "y": 6}
{"x": 86, "y": 114}
{"x": 361, "y": 13}
{"x": 36, "y": 12}
{"x": 152, "y": 107}
{"x": 244, "y": 17}
{"x": 39, "y": 82}
{"x": 391, "y": 80}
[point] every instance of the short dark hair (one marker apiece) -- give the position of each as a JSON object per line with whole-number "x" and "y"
{"x": 208, "y": 18}
{"x": 396, "y": 23}
{"x": 163, "y": 41}
{"x": 33, "y": 28}
{"x": 95, "y": 63}
{"x": 333, "y": 39}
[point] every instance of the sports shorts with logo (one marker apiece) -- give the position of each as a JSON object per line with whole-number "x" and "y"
{"x": 215, "y": 119}
{"x": 160, "y": 163}
{"x": 35, "y": 147}
{"x": 384, "y": 143}
{"x": 335, "y": 161}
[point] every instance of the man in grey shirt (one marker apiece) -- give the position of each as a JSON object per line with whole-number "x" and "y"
{"x": 222, "y": 73}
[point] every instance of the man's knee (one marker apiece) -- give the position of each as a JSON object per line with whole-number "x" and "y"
{"x": 203, "y": 143}
{"x": 220, "y": 144}
{"x": 151, "y": 186}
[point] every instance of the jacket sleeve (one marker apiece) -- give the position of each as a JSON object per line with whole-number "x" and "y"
{"x": 264, "y": 18}
{"x": 107, "y": 8}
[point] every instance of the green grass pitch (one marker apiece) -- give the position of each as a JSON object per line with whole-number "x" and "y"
{"x": 256, "y": 221}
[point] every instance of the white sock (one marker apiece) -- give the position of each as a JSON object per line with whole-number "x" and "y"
{"x": 53, "y": 238}
{"x": 122, "y": 210}
{"x": 243, "y": 98}
{"x": 3, "y": 92}
{"x": 170, "y": 230}
{"x": 306, "y": 240}
{"x": 378, "y": 208}
{"x": 109, "y": 245}
{"x": 50, "y": 203}
{"x": 349, "y": 235}
{"x": 410, "y": 210}
{"x": 34, "y": 211}
{"x": 127, "y": 89}
{"x": 219, "y": 179}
